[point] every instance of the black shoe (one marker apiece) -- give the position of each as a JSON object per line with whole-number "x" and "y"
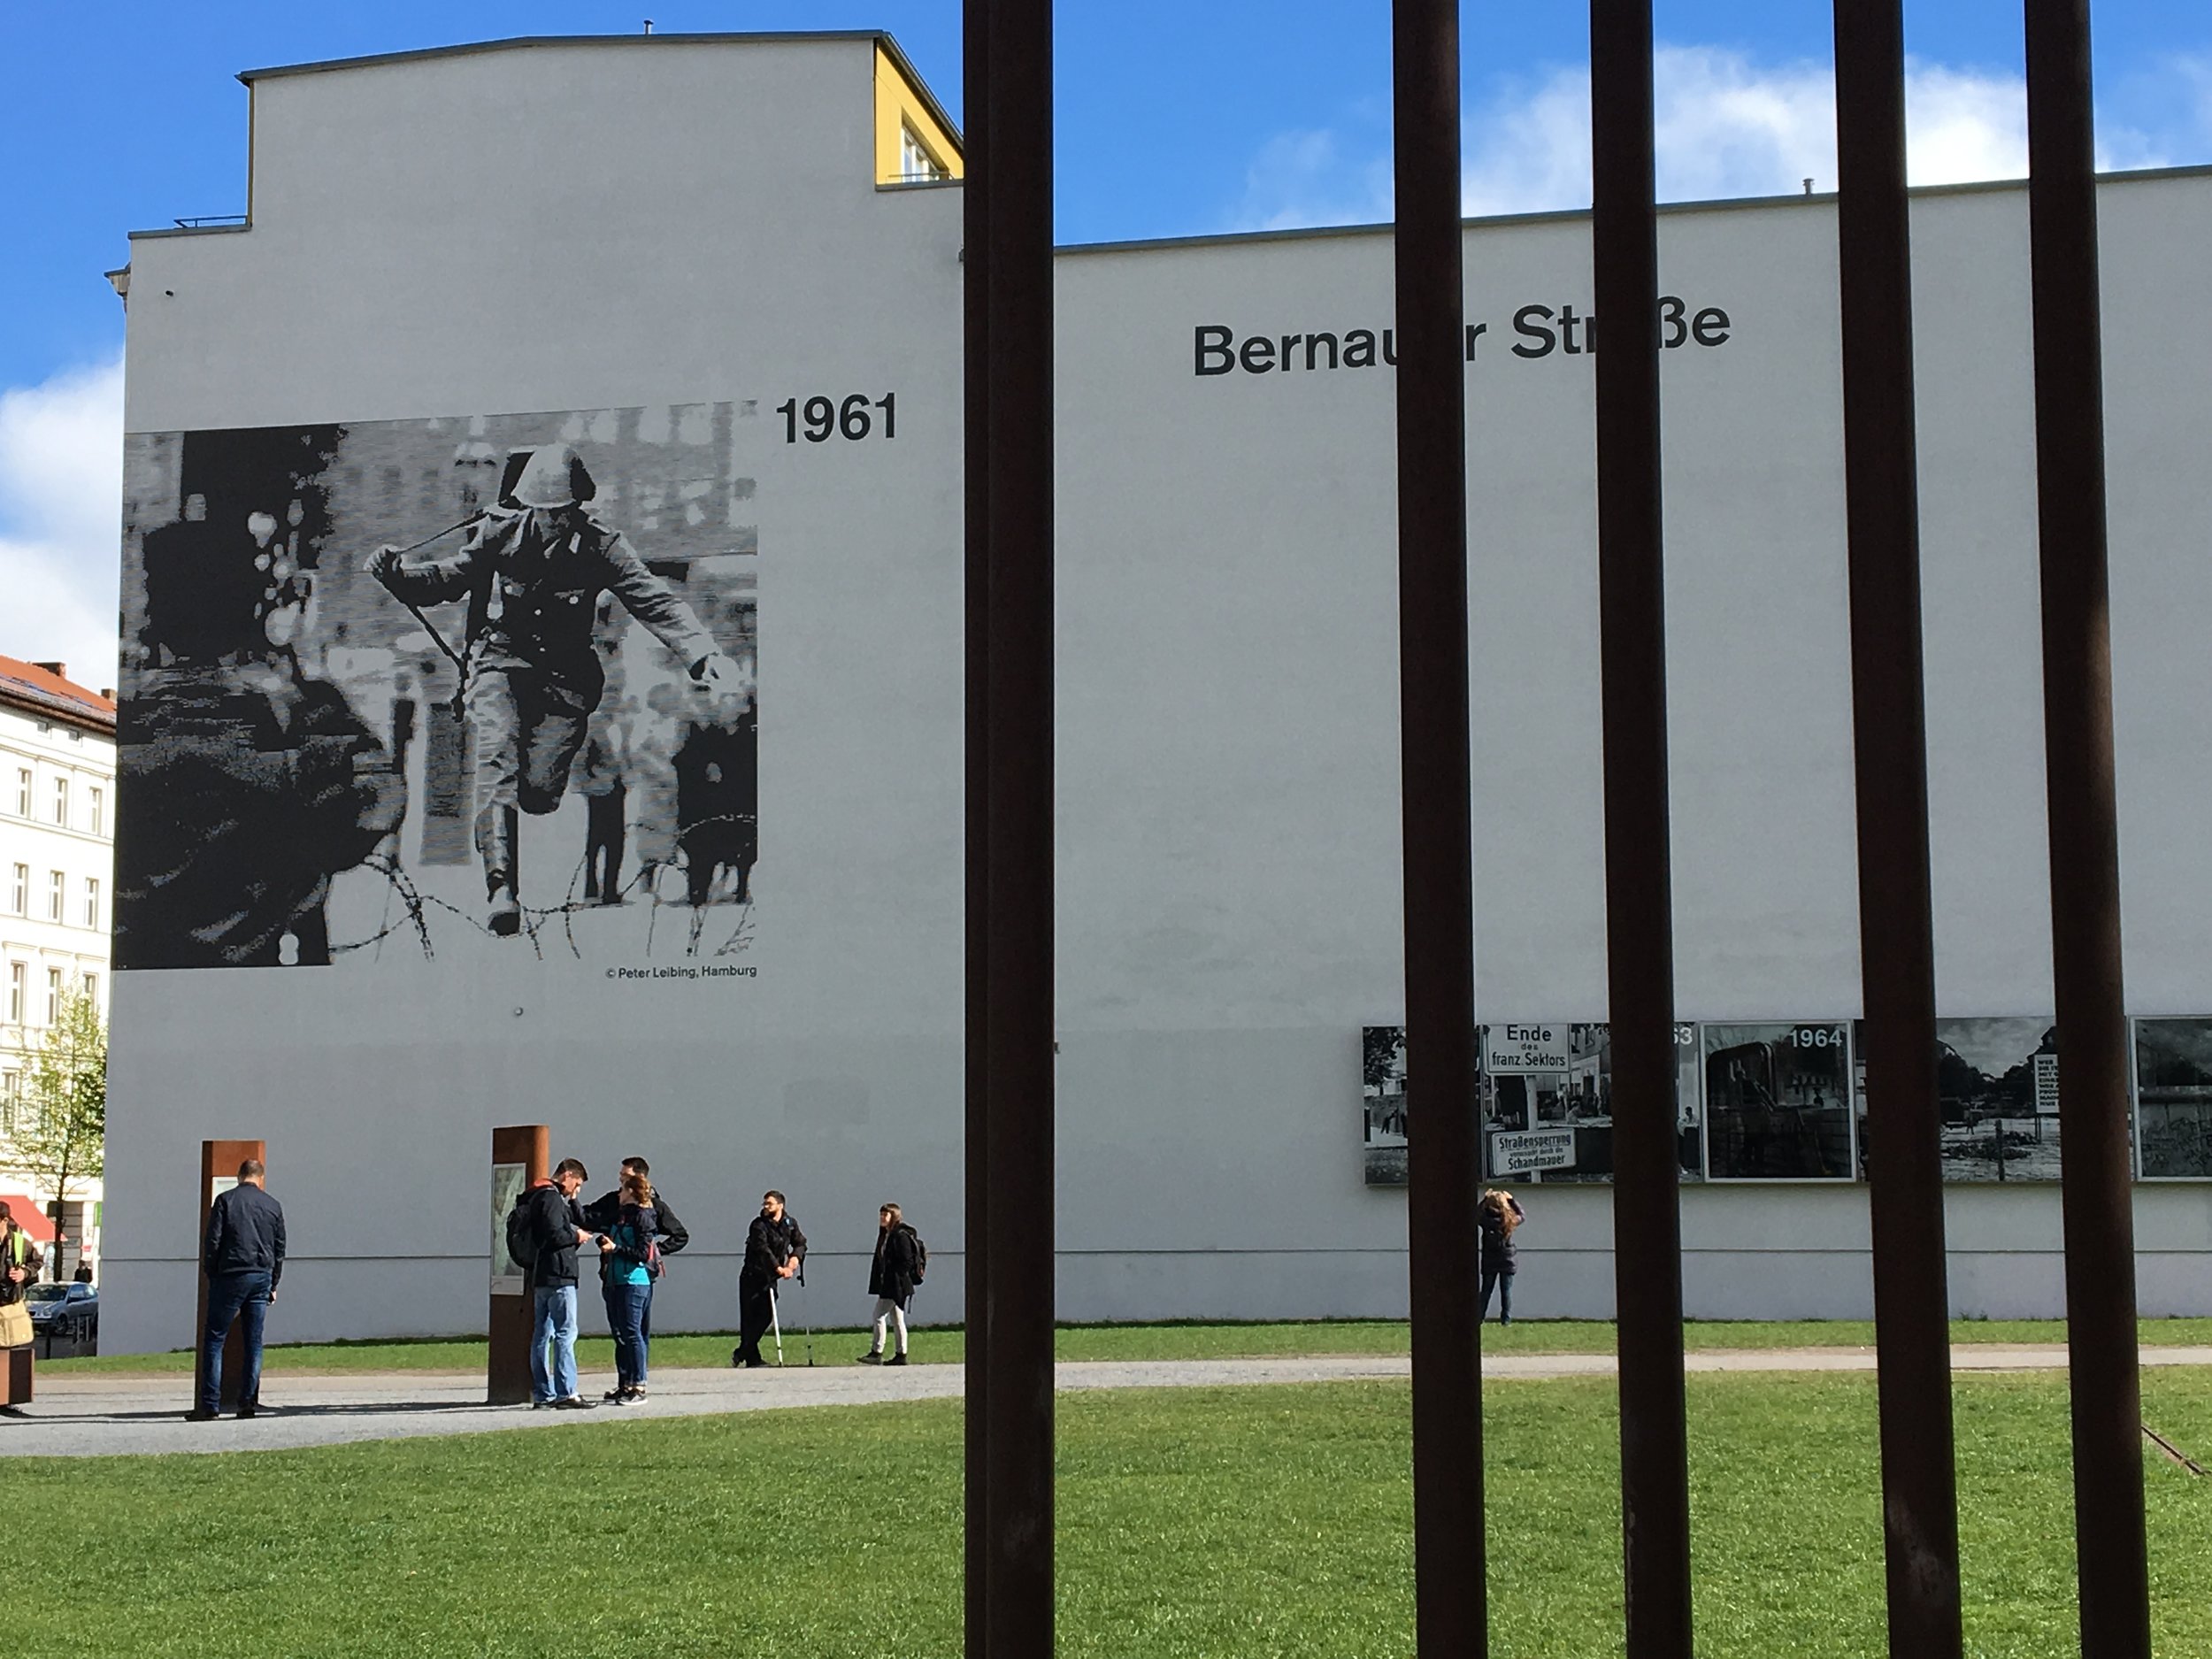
{"x": 756, "y": 1364}
{"x": 574, "y": 1402}
{"x": 874, "y": 1356}
{"x": 896, "y": 1359}
{"x": 248, "y": 1411}
{"x": 615, "y": 1394}
{"x": 199, "y": 1415}
{"x": 543, "y": 1405}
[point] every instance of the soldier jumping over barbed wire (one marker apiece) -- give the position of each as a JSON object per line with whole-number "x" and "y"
{"x": 533, "y": 570}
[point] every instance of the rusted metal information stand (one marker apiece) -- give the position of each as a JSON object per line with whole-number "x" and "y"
{"x": 520, "y": 1157}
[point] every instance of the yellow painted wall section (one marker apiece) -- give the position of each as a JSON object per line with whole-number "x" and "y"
{"x": 900, "y": 106}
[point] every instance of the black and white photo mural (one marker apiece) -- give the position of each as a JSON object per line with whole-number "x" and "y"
{"x": 2173, "y": 1098}
{"x": 1997, "y": 1087}
{"x": 1383, "y": 1104}
{"x": 453, "y": 688}
{"x": 1548, "y": 1102}
{"x": 1777, "y": 1100}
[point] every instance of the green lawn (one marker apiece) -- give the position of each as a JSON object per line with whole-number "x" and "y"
{"x": 1148, "y": 1341}
{"x": 1268, "y": 1520}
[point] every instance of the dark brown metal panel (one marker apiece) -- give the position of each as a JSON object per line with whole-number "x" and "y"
{"x": 2085, "y": 836}
{"x": 1638, "y": 892}
{"x": 1896, "y": 928}
{"x": 1451, "y": 1597}
{"x": 975, "y": 302}
{"x": 1017, "y": 164}
{"x": 509, "y": 1324}
{"x": 218, "y": 1161}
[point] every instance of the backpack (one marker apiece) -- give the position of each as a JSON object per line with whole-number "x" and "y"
{"x": 522, "y": 1240}
{"x": 921, "y": 1254}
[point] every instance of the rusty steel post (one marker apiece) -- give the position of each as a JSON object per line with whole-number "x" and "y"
{"x": 2084, "y": 837}
{"x": 1896, "y": 923}
{"x": 1638, "y": 892}
{"x": 1016, "y": 154}
{"x": 1450, "y": 1594}
{"x": 975, "y": 316}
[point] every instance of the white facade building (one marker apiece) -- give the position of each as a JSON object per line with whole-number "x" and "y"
{"x": 746, "y": 324}
{"x": 57, "y": 810}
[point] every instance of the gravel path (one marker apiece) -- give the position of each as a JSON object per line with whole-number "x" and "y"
{"x": 80, "y": 1417}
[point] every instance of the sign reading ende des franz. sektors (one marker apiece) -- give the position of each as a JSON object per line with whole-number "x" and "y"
{"x": 1526, "y": 1151}
{"x": 1523, "y": 1051}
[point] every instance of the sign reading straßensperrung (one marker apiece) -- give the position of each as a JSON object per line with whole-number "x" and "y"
{"x": 1523, "y": 1151}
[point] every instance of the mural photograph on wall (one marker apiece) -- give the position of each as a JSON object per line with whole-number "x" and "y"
{"x": 2173, "y": 1097}
{"x": 1383, "y": 1104}
{"x": 1777, "y": 1100}
{"x": 1997, "y": 1087}
{"x": 1548, "y": 1102}
{"x": 447, "y": 688}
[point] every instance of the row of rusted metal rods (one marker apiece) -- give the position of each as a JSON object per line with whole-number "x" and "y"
{"x": 1007, "y": 64}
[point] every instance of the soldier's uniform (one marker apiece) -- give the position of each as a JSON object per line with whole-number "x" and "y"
{"x": 533, "y": 572}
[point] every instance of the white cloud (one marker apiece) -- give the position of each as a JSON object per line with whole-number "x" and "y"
{"x": 61, "y": 509}
{"x": 1727, "y": 125}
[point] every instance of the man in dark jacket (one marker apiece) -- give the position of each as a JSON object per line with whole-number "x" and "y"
{"x": 555, "y": 1229}
{"x": 242, "y": 1256}
{"x": 671, "y": 1235}
{"x": 774, "y": 1250}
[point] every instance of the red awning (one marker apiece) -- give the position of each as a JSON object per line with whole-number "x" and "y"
{"x": 30, "y": 1216}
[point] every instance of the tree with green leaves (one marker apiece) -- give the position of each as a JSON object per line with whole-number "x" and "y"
{"x": 60, "y": 1135}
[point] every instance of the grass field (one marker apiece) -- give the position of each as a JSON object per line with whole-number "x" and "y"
{"x": 1145, "y": 1341}
{"x": 1266, "y": 1521}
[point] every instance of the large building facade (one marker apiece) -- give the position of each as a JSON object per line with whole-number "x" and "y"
{"x": 57, "y": 806}
{"x": 703, "y": 727}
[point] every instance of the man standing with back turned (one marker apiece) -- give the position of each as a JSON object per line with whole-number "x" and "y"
{"x": 242, "y": 1256}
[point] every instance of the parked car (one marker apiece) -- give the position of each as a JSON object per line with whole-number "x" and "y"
{"x": 69, "y": 1313}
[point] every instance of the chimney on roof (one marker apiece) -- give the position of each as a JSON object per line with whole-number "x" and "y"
{"x": 107, "y": 693}
{"x": 60, "y": 671}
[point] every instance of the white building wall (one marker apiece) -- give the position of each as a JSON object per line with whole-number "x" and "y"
{"x": 1228, "y": 852}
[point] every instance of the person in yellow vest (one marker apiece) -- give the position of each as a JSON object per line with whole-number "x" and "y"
{"x": 21, "y": 1261}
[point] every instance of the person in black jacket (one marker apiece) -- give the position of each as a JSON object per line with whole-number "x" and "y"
{"x": 891, "y": 1282}
{"x": 601, "y": 1213}
{"x": 556, "y": 1229}
{"x": 774, "y": 1250}
{"x": 1497, "y": 1216}
{"x": 242, "y": 1256}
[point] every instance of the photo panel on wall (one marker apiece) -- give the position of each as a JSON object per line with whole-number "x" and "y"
{"x": 1777, "y": 1100}
{"x": 2173, "y": 1098}
{"x": 1548, "y": 1102}
{"x": 1997, "y": 1089}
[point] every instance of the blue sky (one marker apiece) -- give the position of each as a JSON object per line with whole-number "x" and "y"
{"x": 1173, "y": 118}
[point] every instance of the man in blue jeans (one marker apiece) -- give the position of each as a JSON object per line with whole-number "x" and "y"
{"x": 242, "y": 1256}
{"x": 556, "y": 1229}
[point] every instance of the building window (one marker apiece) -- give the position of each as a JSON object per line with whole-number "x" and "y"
{"x": 61, "y": 802}
{"x": 17, "y": 974}
{"x": 916, "y": 165}
{"x": 98, "y": 816}
{"x": 92, "y": 900}
{"x": 53, "y": 996}
{"x": 90, "y": 983}
{"x": 19, "y": 892}
{"x": 53, "y": 896}
{"x": 23, "y": 793}
{"x": 10, "y": 1098}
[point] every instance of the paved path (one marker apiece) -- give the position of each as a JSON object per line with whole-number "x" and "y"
{"x": 97, "y": 1414}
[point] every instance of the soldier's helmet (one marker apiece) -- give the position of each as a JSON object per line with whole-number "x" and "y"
{"x": 552, "y": 475}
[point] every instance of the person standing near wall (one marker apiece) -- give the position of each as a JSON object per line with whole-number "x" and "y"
{"x": 21, "y": 1261}
{"x": 1497, "y": 1217}
{"x": 242, "y": 1256}
{"x": 775, "y": 1249}
{"x": 601, "y": 1213}
{"x": 892, "y": 1277}
{"x": 627, "y": 1273}
{"x": 556, "y": 1230}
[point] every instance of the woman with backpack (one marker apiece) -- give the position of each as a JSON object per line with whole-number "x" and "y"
{"x": 897, "y": 1268}
{"x": 1497, "y": 1216}
{"x": 627, "y": 1271}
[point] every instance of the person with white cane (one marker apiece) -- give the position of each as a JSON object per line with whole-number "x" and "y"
{"x": 775, "y": 1248}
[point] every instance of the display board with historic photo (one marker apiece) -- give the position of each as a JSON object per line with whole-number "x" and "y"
{"x": 1383, "y": 1104}
{"x": 1777, "y": 1100}
{"x": 2173, "y": 1098}
{"x": 1548, "y": 1102}
{"x": 453, "y": 687}
{"x": 1997, "y": 1087}
{"x": 509, "y": 1182}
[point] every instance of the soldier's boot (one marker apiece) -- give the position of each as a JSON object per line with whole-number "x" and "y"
{"x": 500, "y": 860}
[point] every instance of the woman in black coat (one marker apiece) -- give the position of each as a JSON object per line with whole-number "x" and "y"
{"x": 1496, "y": 1218}
{"x": 892, "y": 1277}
